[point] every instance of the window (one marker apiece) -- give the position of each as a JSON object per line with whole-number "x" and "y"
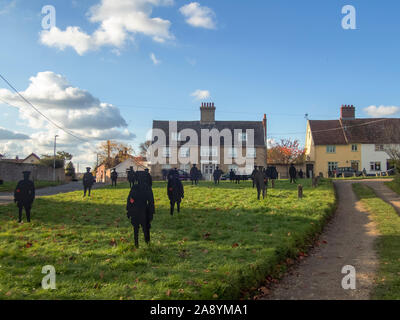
{"x": 242, "y": 137}
{"x": 184, "y": 152}
{"x": 234, "y": 167}
{"x": 185, "y": 167}
{"x": 354, "y": 147}
{"x": 232, "y": 153}
{"x": 332, "y": 166}
{"x": 375, "y": 166}
{"x": 167, "y": 152}
{"x": 379, "y": 147}
{"x": 175, "y": 136}
{"x": 251, "y": 153}
{"x": 330, "y": 149}
{"x": 209, "y": 151}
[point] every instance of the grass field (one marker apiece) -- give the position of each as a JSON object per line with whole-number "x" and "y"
{"x": 224, "y": 241}
{"x": 9, "y": 186}
{"x": 388, "y": 244}
{"x": 394, "y": 185}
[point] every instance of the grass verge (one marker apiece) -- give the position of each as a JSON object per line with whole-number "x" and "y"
{"x": 388, "y": 243}
{"x": 9, "y": 186}
{"x": 224, "y": 241}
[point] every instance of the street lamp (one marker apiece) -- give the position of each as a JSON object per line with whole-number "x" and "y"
{"x": 54, "y": 162}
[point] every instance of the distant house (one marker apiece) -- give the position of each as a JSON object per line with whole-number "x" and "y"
{"x": 180, "y": 153}
{"x": 32, "y": 158}
{"x": 350, "y": 142}
{"x": 103, "y": 174}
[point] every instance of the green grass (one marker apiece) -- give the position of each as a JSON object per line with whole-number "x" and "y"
{"x": 223, "y": 241}
{"x": 388, "y": 244}
{"x": 9, "y": 186}
{"x": 394, "y": 185}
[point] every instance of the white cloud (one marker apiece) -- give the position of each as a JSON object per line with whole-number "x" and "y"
{"x": 381, "y": 111}
{"x": 154, "y": 59}
{"x": 70, "y": 107}
{"x": 6, "y": 134}
{"x": 201, "y": 94}
{"x": 198, "y": 16}
{"x": 119, "y": 21}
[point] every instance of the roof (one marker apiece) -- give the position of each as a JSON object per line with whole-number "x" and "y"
{"x": 257, "y": 126}
{"x": 364, "y": 131}
{"x": 32, "y": 155}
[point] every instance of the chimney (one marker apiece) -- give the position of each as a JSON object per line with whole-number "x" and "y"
{"x": 347, "y": 112}
{"x": 265, "y": 126}
{"x": 207, "y": 111}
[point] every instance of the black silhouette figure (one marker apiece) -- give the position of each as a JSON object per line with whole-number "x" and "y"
{"x": 175, "y": 191}
{"x": 24, "y": 195}
{"x": 114, "y": 177}
{"x": 149, "y": 179}
{"x": 253, "y": 175}
{"x": 88, "y": 181}
{"x": 272, "y": 174}
{"x": 301, "y": 174}
{"x": 217, "y": 175}
{"x": 237, "y": 178}
{"x": 292, "y": 173}
{"x": 259, "y": 179}
{"x": 194, "y": 175}
{"x": 140, "y": 207}
{"x": 231, "y": 175}
{"x": 131, "y": 177}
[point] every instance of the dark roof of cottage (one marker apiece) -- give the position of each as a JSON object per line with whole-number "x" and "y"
{"x": 366, "y": 131}
{"x": 257, "y": 126}
{"x": 32, "y": 154}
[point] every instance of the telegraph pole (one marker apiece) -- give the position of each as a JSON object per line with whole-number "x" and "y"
{"x": 54, "y": 161}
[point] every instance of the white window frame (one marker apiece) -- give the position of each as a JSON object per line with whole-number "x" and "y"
{"x": 379, "y": 147}
{"x": 251, "y": 153}
{"x": 176, "y": 136}
{"x": 184, "y": 152}
{"x": 167, "y": 152}
{"x": 233, "y": 152}
{"x": 373, "y": 166}
{"x": 330, "y": 149}
{"x": 354, "y": 147}
{"x": 242, "y": 137}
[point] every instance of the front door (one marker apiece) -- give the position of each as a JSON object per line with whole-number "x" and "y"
{"x": 310, "y": 170}
{"x": 207, "y": 171}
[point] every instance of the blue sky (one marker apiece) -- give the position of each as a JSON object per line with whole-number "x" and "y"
{"x": 283, "y": 58}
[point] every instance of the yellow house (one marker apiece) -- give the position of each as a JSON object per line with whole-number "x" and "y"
{"x": 328, "y": 146}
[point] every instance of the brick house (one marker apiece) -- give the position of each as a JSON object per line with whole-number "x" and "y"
{"x": 234, "y": 141}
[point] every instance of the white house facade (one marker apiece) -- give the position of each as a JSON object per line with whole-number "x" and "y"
{"x": 374, "y": 159}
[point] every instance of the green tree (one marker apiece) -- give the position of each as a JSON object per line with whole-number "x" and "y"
{"x": 70, "y": 170}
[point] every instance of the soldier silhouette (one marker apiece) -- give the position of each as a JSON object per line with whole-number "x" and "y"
{"x": 194, "y": 175}
{"x": 292, "y": 173}
{"x": 259, "y": 179}
{"x": 114, "y": 177}
{"x": 253, "y": 175}
{"x": 131, "y": 177}
{"x": 175, "y": 191}
{"x": 231, "y": 175}
{"x": 88, "y": 181}
{"x": 237, "y": 178}
{"x": 301, "y": 174}
{"x": 149, "y": 179}
{"x": 140, "y": 207}
{"x": 217, "y": 175}
{"x": 24, "y": 195}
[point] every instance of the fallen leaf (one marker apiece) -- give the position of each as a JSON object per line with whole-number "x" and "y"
{"x": 215, "y": 296}
{"x": 168, "y": 293}
{"x": 113, "y": 242}
{"x": 28, "y": 245}
{"x": 235, "y": 245}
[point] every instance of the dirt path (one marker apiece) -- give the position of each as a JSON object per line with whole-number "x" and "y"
{"x": 347, "y": 240}
{"x": 385, "y": 193}
{"x": 7, "y": 197}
